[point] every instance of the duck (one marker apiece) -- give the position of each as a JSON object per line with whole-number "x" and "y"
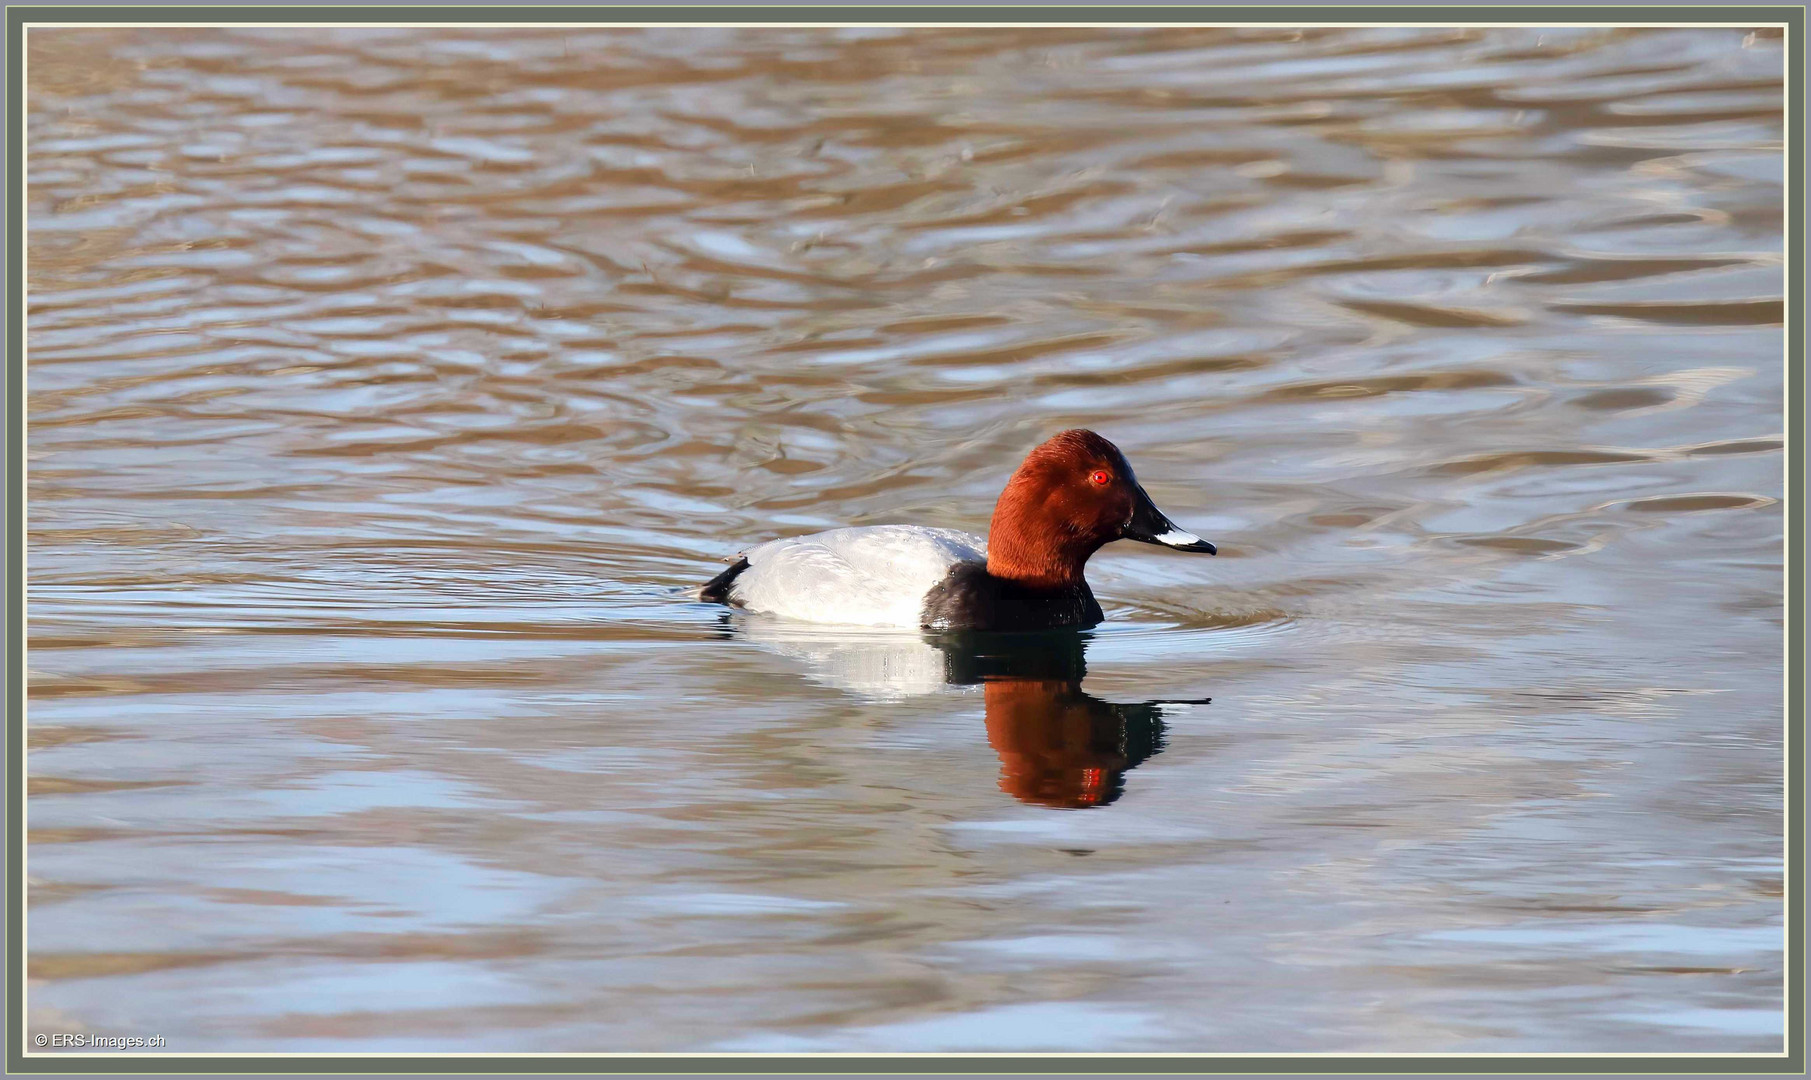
{"x": 1074, "y": 494}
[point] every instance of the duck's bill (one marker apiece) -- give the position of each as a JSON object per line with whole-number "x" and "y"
{"x": 1149, "y": 526}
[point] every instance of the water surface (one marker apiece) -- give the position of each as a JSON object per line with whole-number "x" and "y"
{"x": 388, "y": 387}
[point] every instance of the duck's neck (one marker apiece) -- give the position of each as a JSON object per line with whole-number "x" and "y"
{"x": 1035, "y": 557}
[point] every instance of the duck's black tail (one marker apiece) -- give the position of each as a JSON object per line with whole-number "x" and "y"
{"x": 716, "y": 590}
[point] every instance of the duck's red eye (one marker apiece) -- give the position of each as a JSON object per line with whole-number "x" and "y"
{"x": 1100, "y": 476}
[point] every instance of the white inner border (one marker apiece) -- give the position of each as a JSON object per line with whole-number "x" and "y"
{"x": 19, "y": 113}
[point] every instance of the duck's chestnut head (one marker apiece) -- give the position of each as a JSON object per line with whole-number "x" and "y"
{"x": 1073, "y": 494}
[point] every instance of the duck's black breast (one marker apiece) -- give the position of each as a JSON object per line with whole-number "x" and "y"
{"x": 970, "y": 598}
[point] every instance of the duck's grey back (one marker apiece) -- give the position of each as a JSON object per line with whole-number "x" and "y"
{"x": 875, "y": 575}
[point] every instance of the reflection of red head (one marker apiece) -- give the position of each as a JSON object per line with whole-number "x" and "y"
{"x": 1058, "y": 747}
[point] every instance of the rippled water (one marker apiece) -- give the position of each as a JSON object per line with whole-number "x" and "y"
{"x": 387, "y": 387}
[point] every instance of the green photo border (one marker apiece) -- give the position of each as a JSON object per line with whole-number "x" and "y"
{"x": 1791, "y": 1061}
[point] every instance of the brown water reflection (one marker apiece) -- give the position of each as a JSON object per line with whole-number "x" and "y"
{"x": 388, "y": 387}
{"x": 1059, "y": 746}
{"x": 1063, "y": 748}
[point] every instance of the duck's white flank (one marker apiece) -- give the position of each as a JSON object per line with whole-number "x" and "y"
{"x": 875, "y": 575}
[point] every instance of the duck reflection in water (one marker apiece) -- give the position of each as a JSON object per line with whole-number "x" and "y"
{"x": 1059, "y": 746}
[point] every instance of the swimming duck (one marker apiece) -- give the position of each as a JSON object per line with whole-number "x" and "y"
{"x": 1074, "y": 494}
